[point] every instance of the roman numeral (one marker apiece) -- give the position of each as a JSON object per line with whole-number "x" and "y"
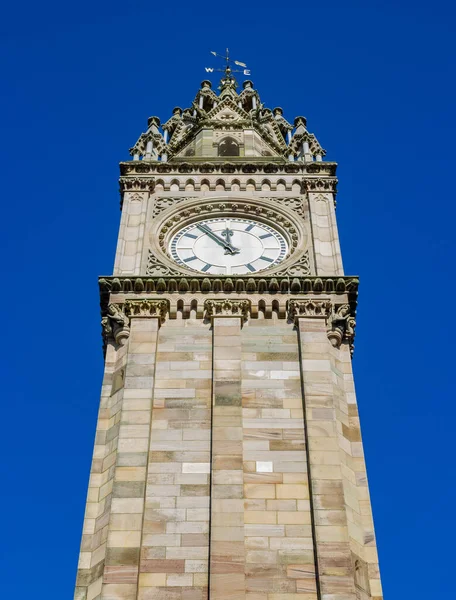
{"x": 250, "y": 268}
{"x": 249, "y": 227}
{"x": 190, "y": 259}
{"x": 206, "y": 268}
{"x": 190, "y": 235}
{"x": 262, "y": 237}
{"x": 266, "y": 258}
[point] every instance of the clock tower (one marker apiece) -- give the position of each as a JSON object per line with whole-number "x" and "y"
{"x": 228, "y": 461}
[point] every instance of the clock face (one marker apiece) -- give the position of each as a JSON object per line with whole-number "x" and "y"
{"x": 228, "y": 246}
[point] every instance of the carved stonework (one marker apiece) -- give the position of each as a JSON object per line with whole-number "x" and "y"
{"x": 260, "y": 284}
{"x": 137, "y": 197}
{"x": 115, "y": 325}
{"x": 340, "y": 320}
{"x": 298, "y": 269}
{"x": 341, "y": 326}
{"x": 147, "y": 308}
{"x": 308, "y": 308}
{"x": 137, "y": 183}
{"x": 227, "y": 308}
{"x": 161, "y": 204}
{"x": 327, "y": 169}
{"x": 321, "y": 184}
{"x": 241, "y": 208}
{"x": 294, "y": 204}
{"x": 157, "y": 268}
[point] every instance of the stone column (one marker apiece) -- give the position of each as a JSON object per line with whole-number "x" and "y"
{"x": 131, "y": 234}
{"x": 328, "y": 259}
{"x": 335, "y": 580}
{"x": 121, "y": 570}
{"x": 227, "y": 553}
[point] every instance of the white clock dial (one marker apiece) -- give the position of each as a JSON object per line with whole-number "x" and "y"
{"x": 228, "y": 246}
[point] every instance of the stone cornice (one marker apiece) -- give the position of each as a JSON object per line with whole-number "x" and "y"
{"x": 123, "y": 298}
{"x": 235, "y": 166}
{"x": 220, "y": 284}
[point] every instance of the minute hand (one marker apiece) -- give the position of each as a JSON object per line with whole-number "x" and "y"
{"x": 231, "y": 249}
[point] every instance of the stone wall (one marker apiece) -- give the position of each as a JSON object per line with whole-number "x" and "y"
{"x": 228, "y": 462}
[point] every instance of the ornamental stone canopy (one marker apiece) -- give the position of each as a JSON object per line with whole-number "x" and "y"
{"x": 233, "y": 124}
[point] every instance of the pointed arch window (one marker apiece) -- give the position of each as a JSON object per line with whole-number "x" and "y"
{"x": 228, "y": 147}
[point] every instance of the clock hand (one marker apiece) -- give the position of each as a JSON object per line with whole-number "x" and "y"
{"x": 228, "y": 247}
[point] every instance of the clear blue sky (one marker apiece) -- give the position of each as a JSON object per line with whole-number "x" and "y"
{"x": 376, "y": 83}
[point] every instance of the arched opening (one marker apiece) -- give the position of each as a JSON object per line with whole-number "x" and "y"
{"x": 261, "y": 309}
{"x": 228, "y": 147}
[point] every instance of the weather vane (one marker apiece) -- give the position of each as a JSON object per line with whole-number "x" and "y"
{"x": 228, "y": 70}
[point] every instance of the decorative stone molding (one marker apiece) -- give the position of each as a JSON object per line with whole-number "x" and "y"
{"x": 239, "y": 207}
{"x": 308, "y": 308}
{"x": 271, "y": 284}
{"x": 300, "y": 268}
{"x": 340, "y": 319}
{"x": 156, "y": 267}
{"x": 147, "y": 308}
{"x": 233, "y": 166}
{"x": 116, "y": 320}
{"x": 227, "y": 308}
{"x": 342, "y": 325}
{"x": 294, "y": 204}
{"x": 161, "y": 204}
{"x": 319, "y": 184}
{"x": 115, "y": 324}
{"x": 137, "y": 183}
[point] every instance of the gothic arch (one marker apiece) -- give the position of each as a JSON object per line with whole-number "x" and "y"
{"x": 205, "y": 185}
{"x": 235, "y": 185}
{"x": 296, "y": 186}
{"x": 228, "y": 146}
{"x": 174, "y": 185}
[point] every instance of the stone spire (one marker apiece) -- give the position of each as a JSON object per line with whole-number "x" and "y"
{"x": 253, "y": 129}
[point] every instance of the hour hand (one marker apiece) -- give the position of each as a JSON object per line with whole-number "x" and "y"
{"x": 229, "y": 249}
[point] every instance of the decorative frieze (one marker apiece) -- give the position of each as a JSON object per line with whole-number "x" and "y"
{"x": 137, "y": 183}
{"x": 200, "y": 166}
{"x": 227, "y": 308}
{"x": 272, "y": 284}
{"x": 147, "y": 308}
{"x": 318, "y": 184}
{"x": 308, "y": 308}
